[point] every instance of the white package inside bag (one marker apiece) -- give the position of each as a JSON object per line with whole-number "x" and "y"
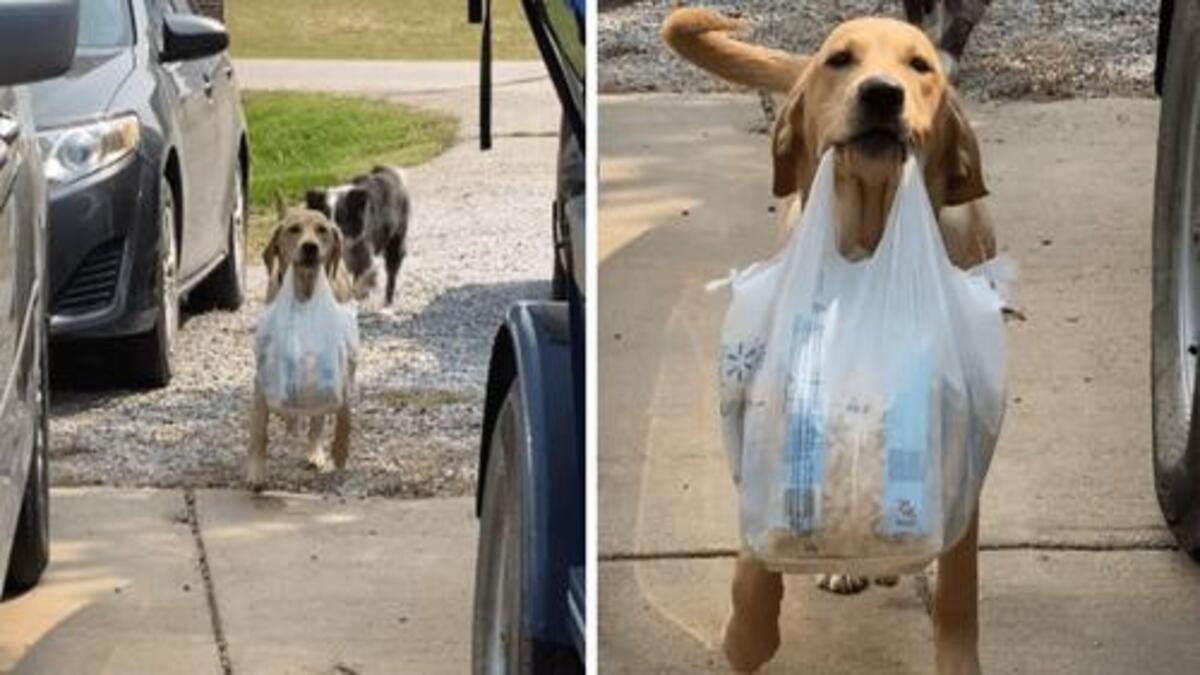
{"x": 306, "y": 350}
{"x": 861, "y": 401}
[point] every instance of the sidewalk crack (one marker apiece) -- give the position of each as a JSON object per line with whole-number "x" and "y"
{"x": 210, "y": 591}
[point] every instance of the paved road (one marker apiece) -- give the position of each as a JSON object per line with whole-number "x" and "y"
{"x": 379, "y": 77}
{"x": 1078, "y": 575}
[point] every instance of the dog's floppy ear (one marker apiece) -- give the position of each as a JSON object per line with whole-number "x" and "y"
{"x": 794, "y": 165}
{"x": 335, "y": 254}
{"x": 956, "y": 164}
{"x": 270, "y": 254}
{"x": 315, "y": 201}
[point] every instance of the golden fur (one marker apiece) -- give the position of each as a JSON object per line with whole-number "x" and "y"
{"x": 822, "y": 109}
{"x": 297, "y": 228}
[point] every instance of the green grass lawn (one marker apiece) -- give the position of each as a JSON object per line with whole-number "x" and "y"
{"x": 372, "y": 29}
{"x": 301, "y": 141}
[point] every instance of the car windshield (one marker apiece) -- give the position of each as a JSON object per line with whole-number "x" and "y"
{"x": 104, "y": 23}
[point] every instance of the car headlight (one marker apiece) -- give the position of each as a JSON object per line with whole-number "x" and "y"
{"x": 70, "y": 153}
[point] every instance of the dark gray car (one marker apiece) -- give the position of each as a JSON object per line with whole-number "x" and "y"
{"x": 37, "y": 40}
{"x": 145, "y": 149}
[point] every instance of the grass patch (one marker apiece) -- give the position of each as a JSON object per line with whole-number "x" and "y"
{"x": 301, "y": 141}
{"x": 373, "y": 29}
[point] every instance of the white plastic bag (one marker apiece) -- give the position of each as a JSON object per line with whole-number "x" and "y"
{"x": 861, "y": 401}
{"x": 306, "y": 350}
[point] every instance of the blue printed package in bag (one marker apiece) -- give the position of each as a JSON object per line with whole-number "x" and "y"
{"x": 861, "y": 401}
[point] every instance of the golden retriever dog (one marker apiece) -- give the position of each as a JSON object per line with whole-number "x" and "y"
{"x": 306, "y": 242}
{"x": 873, "y": 92}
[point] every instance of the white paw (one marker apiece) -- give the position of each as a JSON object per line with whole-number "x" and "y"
{"x": 319, "y": 459}
{"x": 842, "y": 584}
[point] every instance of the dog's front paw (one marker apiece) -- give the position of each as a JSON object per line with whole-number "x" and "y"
{"x": 842, "y": 584}
{"x": 319, "y": 460}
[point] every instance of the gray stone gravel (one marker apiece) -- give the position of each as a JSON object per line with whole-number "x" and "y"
{"x": 1042, "y": 49}
{"x": 478, "y": 240}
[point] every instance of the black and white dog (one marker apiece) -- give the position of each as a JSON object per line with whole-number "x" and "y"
{"x": 372, "y": 213}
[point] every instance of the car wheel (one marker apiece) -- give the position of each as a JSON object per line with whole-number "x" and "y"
{"x": 31, "y": 543}
{"x": 154, "y": 354}
{"x": 501, "y": 643}
{"x": 1175, "y": 316}
{"x": 226, "y": 288}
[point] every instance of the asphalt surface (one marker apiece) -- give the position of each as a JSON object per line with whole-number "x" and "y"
{"x": 1078, "y": 574}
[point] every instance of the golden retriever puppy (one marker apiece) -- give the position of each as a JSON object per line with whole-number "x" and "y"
{"x": 307, "y": 243}
{"x": 874, "y": 92}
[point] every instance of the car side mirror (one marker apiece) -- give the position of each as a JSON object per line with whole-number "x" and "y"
{"x": 188, "y": 36}
{"x": 37, "y": 39}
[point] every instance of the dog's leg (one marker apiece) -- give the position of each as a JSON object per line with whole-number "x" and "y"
{"x": 959, "y": 18}
{"x": 752, "y": 632}
{"x": 393, "y": 255}
{"x": 291, "y": 425}
{"x": 341, "y": 436}
{"x": 256, "y": 458}
{"x": 317, "y": 458}
{"x": 955, "y": 607}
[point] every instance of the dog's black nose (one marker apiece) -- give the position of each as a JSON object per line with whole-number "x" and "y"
{"x": 881, "y": 96}
{"x": 309, "y": 251}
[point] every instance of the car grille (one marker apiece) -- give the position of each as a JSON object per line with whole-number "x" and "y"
{"x": 94, "y": 282}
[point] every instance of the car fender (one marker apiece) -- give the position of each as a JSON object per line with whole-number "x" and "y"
{"x": 534, "y": 345}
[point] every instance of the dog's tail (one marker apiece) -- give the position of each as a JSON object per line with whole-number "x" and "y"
{"x": 701, "y": 36}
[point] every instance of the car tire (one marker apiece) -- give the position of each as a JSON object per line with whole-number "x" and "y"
{"x": 153, "y": 354}
{"x": 31, "y": 544}
{"x": 500, "y": 639}
{"x": 226, "y": 288}
{"x": 1175, "y": 316}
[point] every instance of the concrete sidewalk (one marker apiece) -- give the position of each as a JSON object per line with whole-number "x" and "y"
{"x": 1078, "y": 573}
{"x": 163, "y": 581}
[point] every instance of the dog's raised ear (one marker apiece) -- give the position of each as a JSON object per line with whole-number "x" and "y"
{"x": 794, "y": 161}
{"x": 270, "y": 254}
{"x": 280, "y": 204}
{"x": 315, "y": 200}
{"x": 955, "y": 167}
{"x": 335, "y": 253}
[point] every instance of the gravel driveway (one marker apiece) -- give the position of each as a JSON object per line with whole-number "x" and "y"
{"x": 1023, "y": 49}
{"x": 478, "y": 240}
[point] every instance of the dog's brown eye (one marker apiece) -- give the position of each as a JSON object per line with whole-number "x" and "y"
{"x": 294, "y": 229}
{"x": 920, "y": 65}
{"x": 840, "y": 59}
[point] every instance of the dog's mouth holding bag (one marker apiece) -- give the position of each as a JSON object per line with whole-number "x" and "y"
{"x": 861, "y": 402}
{"x": 306, "y": 349}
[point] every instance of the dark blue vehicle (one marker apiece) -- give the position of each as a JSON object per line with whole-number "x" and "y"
{"x": 1175, "y": 316}
{"x": 529, "y": 575}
